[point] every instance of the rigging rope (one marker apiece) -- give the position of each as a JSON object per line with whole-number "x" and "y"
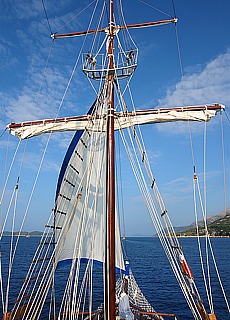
{"x": 228, "y": 118}
{"x": 120, "y": 192}
{"x": 205, "y": 220}
{"x": 47, "y": 17}
{"x": 207, "y": 288}
{"x": 158, "y": 226}
{"x": 213, "y": 257}
{"x": 204, "y": 209}
{"x": 47, "y": 281}
{"x": 150, "y": 206}
{"x": 7, "y": 178}
{"x": 155, "y": 8}
{"x": 223, "y": 163}
{"x": 3, "y": 132}
{"x": 11, "y": 259}
{"x": 76, "y": 16}
{"x": 98, "y": 27}
{"x": 127, "y": 30}
{"x": 76, "y": 63}
{"x": 13, "y": 251}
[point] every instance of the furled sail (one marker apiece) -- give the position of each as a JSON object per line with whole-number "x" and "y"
{"x": 123, "y": 120}
{"x": 80, "y": 202}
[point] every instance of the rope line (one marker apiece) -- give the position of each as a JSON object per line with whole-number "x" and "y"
{"x": 155, "y": 219}
{"x": 75, "y": 16}
{"x": 205, "y": 219}
{"x": 223, "y": 162}
{"x": 1, "y": 135}
{"x": 227, "y": 116}
{"x": 46, "y": 17}
{"x": 155, "y": 8}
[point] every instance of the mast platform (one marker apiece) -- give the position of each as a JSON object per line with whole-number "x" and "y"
{"x": 95, "y": 66}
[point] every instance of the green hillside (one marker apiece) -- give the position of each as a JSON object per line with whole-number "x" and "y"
{"x": 217, "y": 228}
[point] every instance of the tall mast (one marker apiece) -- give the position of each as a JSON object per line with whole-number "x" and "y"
{"x": 110, "y": 177}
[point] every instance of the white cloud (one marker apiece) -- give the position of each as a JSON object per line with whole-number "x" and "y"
{"x": 184, "y": 185}
{"x": 7, "y": 60}
{"x": 208, "y": 85}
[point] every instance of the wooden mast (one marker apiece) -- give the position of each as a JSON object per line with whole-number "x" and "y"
{"x": 110, "y": 275}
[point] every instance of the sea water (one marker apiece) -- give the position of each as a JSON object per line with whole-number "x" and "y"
{"x": 150, "y": 268}
{"x": 156, "y": 279}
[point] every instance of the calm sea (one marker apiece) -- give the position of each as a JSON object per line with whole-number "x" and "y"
{"x": 151, "y": 270}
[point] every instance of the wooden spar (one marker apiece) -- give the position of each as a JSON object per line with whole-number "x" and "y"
{"x": 148, "y": 24}
{"x": 129, "y": 26}
{"x": 75, "y": 34}
{"x": 110, "y": 283}
{"x": 215, "y": 107}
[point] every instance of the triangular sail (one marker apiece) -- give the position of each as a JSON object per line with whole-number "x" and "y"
{"x": 80, "y": 203}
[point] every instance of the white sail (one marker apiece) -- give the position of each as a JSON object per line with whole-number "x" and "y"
{"x": 80, "y": 204}
{"x": 122, "y": 120}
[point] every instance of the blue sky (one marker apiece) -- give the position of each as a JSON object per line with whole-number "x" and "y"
{"x": 203, "y": 30}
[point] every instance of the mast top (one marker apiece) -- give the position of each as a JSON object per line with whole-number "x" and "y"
{"x": 124, "y": 64}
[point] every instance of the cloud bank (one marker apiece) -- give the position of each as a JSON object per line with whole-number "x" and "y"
{"x": 211, "y": 84}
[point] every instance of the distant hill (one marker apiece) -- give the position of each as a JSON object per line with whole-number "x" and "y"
{"x": 218, "y": 226}
{"x": 24, "y": 233}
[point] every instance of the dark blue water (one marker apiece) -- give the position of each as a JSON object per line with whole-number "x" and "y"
{"x": 155, "y": 277}
{"x": 151, "y": 270}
